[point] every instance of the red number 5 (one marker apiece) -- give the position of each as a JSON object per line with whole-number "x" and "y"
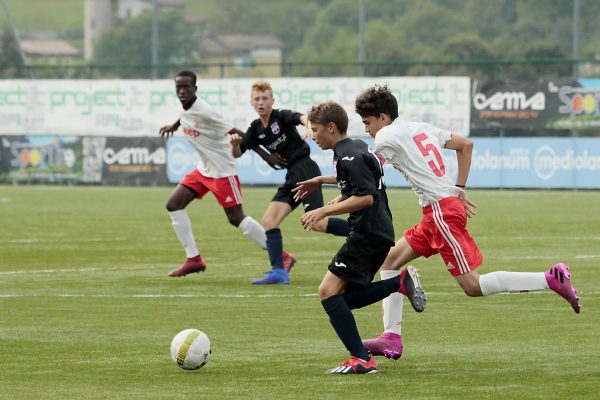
{"x": 427, "y": 149}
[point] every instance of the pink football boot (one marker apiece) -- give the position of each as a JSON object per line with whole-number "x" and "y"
{"x": 559, "y": 280}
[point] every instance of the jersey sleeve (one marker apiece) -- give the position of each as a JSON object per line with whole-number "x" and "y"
{"x": 250, "y": 140}
{"x": 441, "y": 135}
{"x": 220, "y": 124}
{"x": 290, "y": 117}
{"x": 384, "y": 148}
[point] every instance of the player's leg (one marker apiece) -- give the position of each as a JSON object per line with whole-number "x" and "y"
{"x": 245, "y": 223}
{"x": 180, "y": 220}
{"x": 276, "y": 212}
{"x": 462, "y": 256}
{"x": 558, "y": 278}
{"x": 344, "y": 324}
{"x": 348, "y": 284}
{"x": 389, "y": 343}
{"x": 228, "y": 193}
{"x": 252, "y": 229}
{"x": 279, "y": 259}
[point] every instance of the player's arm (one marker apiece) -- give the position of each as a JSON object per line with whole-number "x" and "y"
{"x": 308, "y": 133}
{"x": 305, "y": 188}
{"x": 464, "y": 152}
{"x": 349, "y": 205}
{"x": 169, "y": 129}
{"x": 235, "y": 139}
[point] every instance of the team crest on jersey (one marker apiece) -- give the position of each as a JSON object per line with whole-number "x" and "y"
{"x": 275, "y": 128}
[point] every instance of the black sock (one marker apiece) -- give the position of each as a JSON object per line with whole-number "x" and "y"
{"x": 338, "y": 226}
{"x": 275, "y": 247}
{"x": 344, "y": 324}
{"x": 372, "y": 293}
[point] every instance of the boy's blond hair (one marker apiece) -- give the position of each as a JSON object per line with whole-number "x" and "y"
{"x": 262, "y": 86}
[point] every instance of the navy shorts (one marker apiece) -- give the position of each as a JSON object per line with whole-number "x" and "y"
{"x": 302, "y": 170}
{"x": 359, "y": 259}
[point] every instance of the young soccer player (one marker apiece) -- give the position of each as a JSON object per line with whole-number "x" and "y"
{"x": 208, "y": 132}
{"x": 415, "y": 150}
{"x": 348, "y": 282}
{"x": 275, "y": 130}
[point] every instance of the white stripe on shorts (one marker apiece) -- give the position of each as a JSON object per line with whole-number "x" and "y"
{"x": 459, "y": 255}
{"x": 236, "y": 191}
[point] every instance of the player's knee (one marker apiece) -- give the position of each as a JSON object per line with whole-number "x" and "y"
{"x": 235, "y": 218}
{"x": 268, "y": 223}
{"x": 472, "y": 290}
{"x": 324, "y": 292}
{"x": 172, "y": 206}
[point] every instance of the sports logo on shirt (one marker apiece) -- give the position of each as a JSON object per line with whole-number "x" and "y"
{"x": 348, "y": 158}
{"x": 275, "y": 128}
{"x": 339, "y": 264}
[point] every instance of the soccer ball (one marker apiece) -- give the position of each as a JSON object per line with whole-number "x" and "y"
{"x": 190, "y": 349}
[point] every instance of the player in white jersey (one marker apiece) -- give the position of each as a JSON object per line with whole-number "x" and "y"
{"x": 415, "y": 149}
{"x": 208, "y": 132}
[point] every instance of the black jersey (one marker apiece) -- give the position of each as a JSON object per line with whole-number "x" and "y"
{"x": 359, "y": 172}
{"x": 279, "y": 136}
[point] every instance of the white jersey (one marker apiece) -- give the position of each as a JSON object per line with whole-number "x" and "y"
{"x": 415, "y": 149}
{"x": 208, "y": 132}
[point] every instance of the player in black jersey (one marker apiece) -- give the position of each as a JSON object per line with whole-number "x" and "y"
{"x": 348, "y": 282}
{"x": 274, "y": 136}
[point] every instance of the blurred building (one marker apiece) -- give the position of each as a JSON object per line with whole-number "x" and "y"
{"x": 242, "y": 55}
{"x": 100, "y": 15}
{"x": 226, "y": 55}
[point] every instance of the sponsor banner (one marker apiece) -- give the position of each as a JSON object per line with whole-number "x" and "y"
{"x": 44, "y": 159}
{"x": 141, "y": 107}
{"x": 522, "y": 105}
{"x": 536, "y": 163}
{"x": 572, "y": 163}
{"x": 129, "y": 161}
{"x": 579, "y": 106}
{"x": 182, "y": 158}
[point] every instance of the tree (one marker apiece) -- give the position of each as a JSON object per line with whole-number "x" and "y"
{"x": 11, "y": 65}
{"x": 471, "y": 52}
{"x": 130, "y": 45}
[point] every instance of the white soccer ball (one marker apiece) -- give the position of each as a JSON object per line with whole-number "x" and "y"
{"x": 190, "y": 349}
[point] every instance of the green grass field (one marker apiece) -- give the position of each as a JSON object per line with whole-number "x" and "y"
{"x": 88, "y": 311}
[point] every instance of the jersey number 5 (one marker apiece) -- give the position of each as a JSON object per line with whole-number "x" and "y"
{"x": 426, "y": 149}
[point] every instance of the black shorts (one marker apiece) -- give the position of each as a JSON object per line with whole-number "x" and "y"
{"x": 359, "y": 259}
{"x": 302, "y": 170}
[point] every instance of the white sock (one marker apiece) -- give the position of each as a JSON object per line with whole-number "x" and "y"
{"x": 254, "y": 231}
{"x": 392, "y": 307}
{"x": 502, "y": 281}
{"x": 183, "y": 228}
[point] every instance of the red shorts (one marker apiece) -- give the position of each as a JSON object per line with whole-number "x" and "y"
{"x": 443, "y": 229}
{"x": 228, "y": 190}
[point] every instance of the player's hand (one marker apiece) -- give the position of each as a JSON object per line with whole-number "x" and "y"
{"x": 469, "y": 205}
{"x": 168, "y": 130}
{"x": 235, "y": 139}
{"x": 305, "y": 188}
{"x": 309, "y": 134}
{"x": 309, "y": 219}
{"x": 276, "y": 161}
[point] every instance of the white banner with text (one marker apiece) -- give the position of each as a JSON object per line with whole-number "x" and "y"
{"x": 141, "y": 107}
